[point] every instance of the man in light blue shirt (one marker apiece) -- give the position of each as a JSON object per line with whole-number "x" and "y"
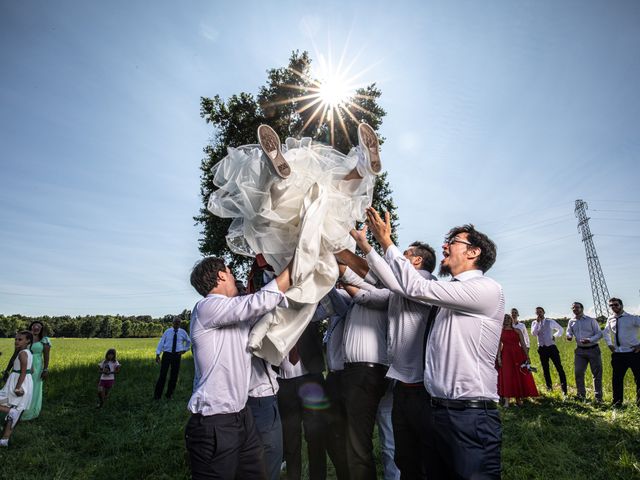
{"x": 172, "y": 345}
{"x": 587, "y": 333}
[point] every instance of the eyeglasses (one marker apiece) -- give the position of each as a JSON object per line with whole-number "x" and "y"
{"x": 453, "y": 240}
{"x": 408, "y": 253}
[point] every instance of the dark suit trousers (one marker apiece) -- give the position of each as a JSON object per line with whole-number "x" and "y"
{"x": 547, "y": 353}
{"x": 302, "y": 402}
{"x": 337, "y": 425}
{"x": 169, "y": 361}
{"x": 462, "y": 444}
{"x": 620, "y": 363}
{"x": 408, "y": 405}
{"x": 362, "y": 389}
{"x": 225, "y": 446}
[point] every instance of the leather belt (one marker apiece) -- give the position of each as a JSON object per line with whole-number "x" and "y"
{"x": 409, "y": 385}
{"x": 462, "y": 404}
{"x": 365, "y": 364}
{"x": 589, "y": 347}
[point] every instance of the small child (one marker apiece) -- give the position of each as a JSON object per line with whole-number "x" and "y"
{"x": 108, "y": 369}
{"x": 15, "y": 396}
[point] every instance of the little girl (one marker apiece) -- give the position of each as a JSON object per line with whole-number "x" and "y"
{"x": 108, "y": 369}
{"x": 15, "y": 396}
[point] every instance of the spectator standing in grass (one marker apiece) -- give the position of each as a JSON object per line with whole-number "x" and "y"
{"x": 522, "y": 327}
{"x": 587, "y": 333}
{"x": 15, "y": 396}
{"x": 173, "y": 344}
{"x": 40, "y": 349}
{"x": 622, "y": 334}
{"x": 547, "y": 330}
{"x": 514, "y": 378}
{"x": 108, "y": 369}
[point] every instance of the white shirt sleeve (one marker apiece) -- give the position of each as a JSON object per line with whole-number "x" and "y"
{"x": 475, "y": 296}
{"x": 377, "y": 298}
{"x": 558, "y": 330}
{"x": 535, "y": 328}
{"x": 161, "y": 342}
{"x": 608, "y": 332}
{"x": 598, "y": 335}
{"x": 218, "y": 311}
{"x": 570, "y": 332}
{"x": 383, "y": 271}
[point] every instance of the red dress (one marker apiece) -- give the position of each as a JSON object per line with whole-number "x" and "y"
{"x": 514, "y": 381}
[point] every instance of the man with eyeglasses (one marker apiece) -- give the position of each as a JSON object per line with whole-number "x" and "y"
{"x": 622, "y": 334}
{"x": 462, "y": 428}
{"x": 587, "y": 334}
{"x": 547, "y": 330}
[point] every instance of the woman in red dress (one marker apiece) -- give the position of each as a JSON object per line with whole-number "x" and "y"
{"x": 514, "y": 381}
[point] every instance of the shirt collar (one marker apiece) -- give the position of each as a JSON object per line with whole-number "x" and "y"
{"x": 468, "y": 274}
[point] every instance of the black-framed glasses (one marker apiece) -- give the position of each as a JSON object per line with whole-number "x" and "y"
{"x": 453, "y": 240}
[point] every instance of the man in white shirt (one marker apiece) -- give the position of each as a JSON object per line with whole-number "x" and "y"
{"x": 520, "y": 326}
{"x": 173, "y": 344}
{"x": 463, "y": 433}
{"x": 587, "y": 333}
{"x": 221, "y": 435}
{"x": 547, "y": 330}
{"x": 405, "y": 347}
{"x": 622, "y": 334}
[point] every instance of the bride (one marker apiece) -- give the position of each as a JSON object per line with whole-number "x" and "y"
{"x": 303, "y": 201}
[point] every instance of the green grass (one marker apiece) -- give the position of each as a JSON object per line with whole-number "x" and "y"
{"x": 135, "y": 437}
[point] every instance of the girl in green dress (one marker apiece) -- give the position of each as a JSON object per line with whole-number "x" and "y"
{"x": 40, "y": 349}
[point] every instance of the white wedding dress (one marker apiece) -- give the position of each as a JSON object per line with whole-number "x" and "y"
{"x": 308, "y": 214}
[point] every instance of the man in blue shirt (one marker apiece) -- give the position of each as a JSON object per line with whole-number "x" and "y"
{"x": 172, "y": 345}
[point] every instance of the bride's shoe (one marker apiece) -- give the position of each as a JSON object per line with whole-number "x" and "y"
{"x": 368, "y": 141}
{"x": 270, "y": 143}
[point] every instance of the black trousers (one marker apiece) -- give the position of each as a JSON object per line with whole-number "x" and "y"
{"x": 409, "y": 403}
{"x": 225, "y": 446}
{"x": 169, "y": 360}
{"x": 461, "y": 444}
{"x": 620, "y": 363}
{"x": 337, "y": 425}
{"x": 547, "y": 353}
{"x": 362, "y": 388}
{"x": 302, "y": 403}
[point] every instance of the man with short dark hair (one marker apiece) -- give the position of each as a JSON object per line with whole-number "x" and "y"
{"x": 172, "y": 345}
{"x": 622, "y": 334}
{"x": 547, "y": 330}
{"x": 463, "y": 433}
{"x": 221, "y": 435}
{"x": 587, "y": 334}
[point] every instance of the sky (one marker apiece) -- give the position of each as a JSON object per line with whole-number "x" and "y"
{"x": 499, "y": 113}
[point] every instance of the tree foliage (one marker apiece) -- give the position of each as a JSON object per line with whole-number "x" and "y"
{"x": 235, "y": 122}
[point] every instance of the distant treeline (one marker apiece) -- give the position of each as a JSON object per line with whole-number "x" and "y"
{"x": 88, "y": 326}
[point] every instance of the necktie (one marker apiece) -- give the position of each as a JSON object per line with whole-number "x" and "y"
{"x": 175, "y": 340}
{"x": 294, "y": 355}
{"x": 432, "y": 316}
{"x": 618, "y": 330}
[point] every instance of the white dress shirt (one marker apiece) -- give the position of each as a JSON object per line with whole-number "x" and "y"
{"x": 546, "y": 331}
{"x": 407, "y": 324}
{"x": 264, "y": 380}
{"x": 584, "y": 327}
{"x": 365, "y": 329}
{"x": 333, "y": 338}
{"x": 220, "y": 330}
{"x": 525, "y": 334}
{"x": 629, "y": 334}
{"x": 463, "y": 343}
{"x": 166, "y": 341}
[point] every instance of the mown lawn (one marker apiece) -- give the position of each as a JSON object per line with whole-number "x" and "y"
{"x": 135, "y": 437}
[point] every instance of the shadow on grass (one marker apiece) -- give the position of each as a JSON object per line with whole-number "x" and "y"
{"x": 132, "y": 436}
{"x": 554, "y": 438}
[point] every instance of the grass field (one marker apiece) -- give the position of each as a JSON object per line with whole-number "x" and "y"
{"x": 134, "y": 437}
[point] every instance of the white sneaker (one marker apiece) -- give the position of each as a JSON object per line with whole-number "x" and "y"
{"x": 4, "y": 442}
{"x": 368, "y": 141}
{"x": 272, "y": 148}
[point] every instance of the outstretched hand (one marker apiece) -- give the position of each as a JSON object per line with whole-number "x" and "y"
{"x": 360, "y": 236}
{"x": 381, "y": 229}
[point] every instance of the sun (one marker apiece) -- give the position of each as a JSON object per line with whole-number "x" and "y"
{"x": 329, "y": 95}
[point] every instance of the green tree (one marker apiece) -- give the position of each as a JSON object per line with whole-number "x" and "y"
{"x": 280, "y": 104}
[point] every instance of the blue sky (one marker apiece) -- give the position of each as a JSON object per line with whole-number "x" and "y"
{"x": 499, "y": 113}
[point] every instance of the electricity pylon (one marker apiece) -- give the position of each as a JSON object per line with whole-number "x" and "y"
{"x": 599, "y": 288}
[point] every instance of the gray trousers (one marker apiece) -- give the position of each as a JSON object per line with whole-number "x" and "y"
{"x": 591, "y": 357}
